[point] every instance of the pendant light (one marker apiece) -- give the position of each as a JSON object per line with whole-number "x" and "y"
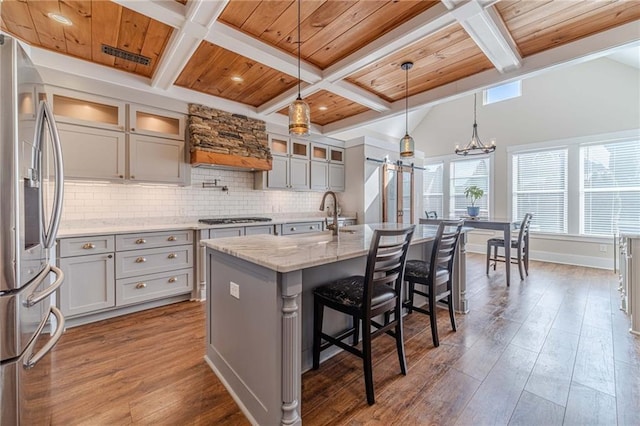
{"x": 406, "y": 143}
{"x": 299, "y": 114}
{"x": 475, "y": 145}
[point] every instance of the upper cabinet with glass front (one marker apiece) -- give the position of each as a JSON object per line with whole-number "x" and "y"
{"x": 88, "y": 110}
{"x": 154, "y": 122}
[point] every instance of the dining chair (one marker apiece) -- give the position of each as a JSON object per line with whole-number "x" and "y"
{"x": 520, "y": 244}
{"x": 363, "y": 297}
{"x": 435, "y": 276}
{"x": 431, "y": 214}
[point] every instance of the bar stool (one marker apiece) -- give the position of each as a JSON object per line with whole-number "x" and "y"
{"x": 520, "y": 244}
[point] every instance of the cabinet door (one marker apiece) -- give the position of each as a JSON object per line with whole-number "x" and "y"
{"x": 299, "y": 149}
{"x": 87, "y": 110}
{"x": 91, "y": 153}
{"x": 277, "y": 176}
{"x": 299, "y": 173}
{"x": 153, "y": 159}
{"x": 156, "y": 122}
{"x": 279, "y": 145}
{"x": 336, "y": 155}
{"x": 259, "y": 230}
{"x": 89, "y": 284}
{"x": 319, "y": 175}
{"x": 237, "y": 231}
{"x": 336, "y": 177}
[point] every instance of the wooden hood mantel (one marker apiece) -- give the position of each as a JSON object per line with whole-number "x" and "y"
{"x": 221, "y": 139}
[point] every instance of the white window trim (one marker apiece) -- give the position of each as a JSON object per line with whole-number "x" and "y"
{"x": 573, "y": 146}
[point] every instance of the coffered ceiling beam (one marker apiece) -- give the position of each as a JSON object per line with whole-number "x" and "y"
{"x": 284, "y": 99}
{"x": 488, "y": 31}
{"x": 579, "y": 51}
{"x": 170, "y": 13}
{"x": 200, "y": 16}
{"x": 231, "y": 39}
{"x": 428, "y": 22}
{"x": 356, "y": 94}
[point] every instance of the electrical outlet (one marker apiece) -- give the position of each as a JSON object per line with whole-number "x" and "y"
{"x": 234, "y": 289}
{"x": 603, "y": 248}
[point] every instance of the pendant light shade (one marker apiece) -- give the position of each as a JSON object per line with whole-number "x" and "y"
{"x": 299, "y": 113}
{"x": 475, "y": 145}
{"x": 406, "y": 143}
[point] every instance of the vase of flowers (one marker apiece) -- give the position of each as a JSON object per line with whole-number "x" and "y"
{"x": 473, "y": 194}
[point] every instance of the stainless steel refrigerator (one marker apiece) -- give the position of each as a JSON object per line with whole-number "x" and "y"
{"x": 31, "y": 191}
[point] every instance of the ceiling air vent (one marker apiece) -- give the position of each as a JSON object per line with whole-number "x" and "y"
{"x": 127, "y": 56}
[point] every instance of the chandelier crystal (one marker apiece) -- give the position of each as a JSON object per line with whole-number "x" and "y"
{"x": 299, "y": 112}
{"x": 475, "y": 145}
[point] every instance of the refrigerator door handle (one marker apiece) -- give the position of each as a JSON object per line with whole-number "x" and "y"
{"x": 56, "y": 214}
{"x": 31, "y": 359}
{"x": 35, "y": 298}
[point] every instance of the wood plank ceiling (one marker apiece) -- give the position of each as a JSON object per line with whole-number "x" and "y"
{"x": 245, "y": 50}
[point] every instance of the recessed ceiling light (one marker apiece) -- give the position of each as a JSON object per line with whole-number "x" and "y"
{"x": 60, "y": 18}
{"x": 323, "y": 108}
{"x": 237, "y": 78}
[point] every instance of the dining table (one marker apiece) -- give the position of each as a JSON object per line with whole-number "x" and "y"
{"x": 496, "y": 224}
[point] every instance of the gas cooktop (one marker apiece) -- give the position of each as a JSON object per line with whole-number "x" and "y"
{"x": 227, "y": 220}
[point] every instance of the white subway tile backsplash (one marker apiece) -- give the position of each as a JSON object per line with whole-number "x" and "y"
{"x": 97, "y": 200}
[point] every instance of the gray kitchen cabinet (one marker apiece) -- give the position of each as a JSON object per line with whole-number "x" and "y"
{"x": 319, "y": 175}
{"x": 298, "y": 173}
{"x": 278, "y": 176}
{"x": 300, "y": 228}
{"x": 92, "y": 153}
{"x": 110, "y": 275}
{"x": 154, "y": 159}
{"x": 336, "y": 177}
{"x": 88, "y": 266}
{"x": 290, "y": 165}
{"x": 327, "y": 168}
{"x": 259, "y": 230}
{"x": 236, "y": 231}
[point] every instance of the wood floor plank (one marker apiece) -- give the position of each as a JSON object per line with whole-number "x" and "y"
{"x": 148, "y": 368}
{"x": 587, "y": 406}
{"x": 552, "y": 373}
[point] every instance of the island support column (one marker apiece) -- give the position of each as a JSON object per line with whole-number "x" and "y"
{"x": 291, "y": 288}
{"x": 460, "y": 302}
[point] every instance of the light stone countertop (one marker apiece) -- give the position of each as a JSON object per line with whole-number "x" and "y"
{"x": 293, "y": 252}
{"x": 87, "y": 228}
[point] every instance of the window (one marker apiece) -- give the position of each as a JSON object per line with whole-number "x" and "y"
{"x": 462, "y": 174}
{"x": 433, "y": 190}
{"x": 582, "y": 186}
{"x": 540, "y": 187}
{"x": 503, "y": 92}
{"x": 610, "y": 188}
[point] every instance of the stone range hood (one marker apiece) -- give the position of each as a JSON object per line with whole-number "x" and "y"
{"x": 224, "y": 140}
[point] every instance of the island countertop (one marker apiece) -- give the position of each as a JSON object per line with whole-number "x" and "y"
{"x": 294, "y": 252}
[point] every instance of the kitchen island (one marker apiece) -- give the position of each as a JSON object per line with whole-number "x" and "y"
{"x": 260, "y": 309}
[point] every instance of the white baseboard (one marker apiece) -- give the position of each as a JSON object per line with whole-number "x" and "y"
{"x": 553, "y": 257}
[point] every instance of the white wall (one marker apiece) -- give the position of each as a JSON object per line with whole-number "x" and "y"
{"x": 113, "y": 201}
{"x": 597, "y": 97}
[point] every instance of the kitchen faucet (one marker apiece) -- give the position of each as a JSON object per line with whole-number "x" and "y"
{"x": 334, "y": 225}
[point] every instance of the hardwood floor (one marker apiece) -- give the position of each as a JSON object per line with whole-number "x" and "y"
{"x": 553, "y": 349}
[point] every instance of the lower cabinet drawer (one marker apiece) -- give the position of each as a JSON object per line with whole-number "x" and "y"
{"x": 148, "y": 287}
{"x": 301, "y": 227}
{"x": 149, "y": 261}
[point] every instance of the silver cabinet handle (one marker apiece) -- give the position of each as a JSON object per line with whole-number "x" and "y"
{"x": 88, "y": 246}
{"x": 172, "y": 238}
{"x": 173, "y": 279}
{"x": 141, "y": 260}
{"x": 172, "y": 256}
{"x": 141, "y": 285}
{"x": 141, "y": 241}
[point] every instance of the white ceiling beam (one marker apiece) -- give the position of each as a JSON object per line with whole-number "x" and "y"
{"x": 429, "y": 22}
{"x": 200, "y": 16}
{"x": 579, "y": 51}
{"x": 490, "y": 34}
{"x": 356, "y": 94}
{"x": 231, "y": 39}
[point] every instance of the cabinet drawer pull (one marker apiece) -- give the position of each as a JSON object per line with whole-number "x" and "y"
{"x": 172, "y": 238}
{"x": 141, "y": 241}
{"x": 141, "y": 260}
{"x": 173, "y": 279}
{"x": 311, "y": 227}
{"x": 110, "y": 256}
{"x": 293, "y": 229}
{"x": 141, "y": 285}
{"x": 88, "y": 246}
{"x": 172, "y": 256}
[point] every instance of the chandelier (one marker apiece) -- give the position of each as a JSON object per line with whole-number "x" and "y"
{"x": 299, "y": 113}
{"x": 475, "y": 145}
